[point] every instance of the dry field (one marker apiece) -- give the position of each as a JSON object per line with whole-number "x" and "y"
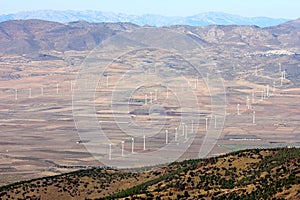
{"x": 39, "y": 136}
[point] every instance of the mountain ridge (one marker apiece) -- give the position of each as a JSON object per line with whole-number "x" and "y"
{"x": 202, "y": 19}
{"x": 29, "y": 36}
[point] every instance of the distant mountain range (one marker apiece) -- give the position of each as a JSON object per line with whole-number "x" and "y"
{"x": 208, "y": 18}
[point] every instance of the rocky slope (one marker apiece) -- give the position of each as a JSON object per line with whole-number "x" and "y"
{"x": 30, "y": 36}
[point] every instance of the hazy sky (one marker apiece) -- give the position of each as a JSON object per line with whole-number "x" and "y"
{"x": 249, "y": 8}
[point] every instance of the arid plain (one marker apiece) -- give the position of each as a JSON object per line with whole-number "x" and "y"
{"x": 261, "y": 86}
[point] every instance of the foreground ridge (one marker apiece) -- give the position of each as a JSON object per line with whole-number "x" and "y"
{"x": 246, "y": 174}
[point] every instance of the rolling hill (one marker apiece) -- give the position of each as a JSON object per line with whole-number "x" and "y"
{"x": 247, "y": 174}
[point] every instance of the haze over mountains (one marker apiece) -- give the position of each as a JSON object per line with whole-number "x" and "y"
{"x": 208, "y": 18}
